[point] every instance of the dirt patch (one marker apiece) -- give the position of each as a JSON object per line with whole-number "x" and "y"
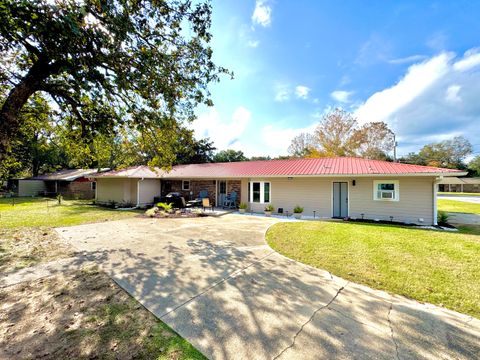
{"x": 23, "y": 247}
{"x": 82, "y": 315}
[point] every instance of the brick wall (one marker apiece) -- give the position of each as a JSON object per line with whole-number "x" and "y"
{"x": 198, "y": 185}
{"x": 209, "y": 185}
{"x": 76, "y": 190}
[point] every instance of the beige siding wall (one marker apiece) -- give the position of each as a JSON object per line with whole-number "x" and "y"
{"x": 315, "y": 194}
{"x": 118, "y": 190}
{"x": 415, "y": 203}
{"x": 149, "y": 188}
{"x": 31, "y": 187}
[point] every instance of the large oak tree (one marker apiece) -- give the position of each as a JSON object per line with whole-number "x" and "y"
{"x": 143, "y": 65}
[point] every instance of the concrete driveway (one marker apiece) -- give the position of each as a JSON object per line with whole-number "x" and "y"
{"x": 217, "y": 283}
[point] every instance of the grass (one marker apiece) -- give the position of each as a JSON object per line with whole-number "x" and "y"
{"x": 458, "y": 206}
{"x": 458, "y": 193}
{"x": 35, "y": 212}
{"x": 430, "y": 266}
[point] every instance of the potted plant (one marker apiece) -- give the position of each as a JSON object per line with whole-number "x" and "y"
{"x": 242, "y": 208}
{"x": 268, "y": 210}
{"x": 297, "y": 212}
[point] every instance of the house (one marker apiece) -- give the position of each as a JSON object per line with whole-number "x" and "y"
{"x": 455, "y": 184}
{"x": 325, "y": 187}
{"x": 72, "y": 183}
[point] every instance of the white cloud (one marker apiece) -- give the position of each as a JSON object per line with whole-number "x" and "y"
{"x": 341, "y": 96}
{"x": 383, "y": 104}
{"x": 452, "y": 93}
{"x": 407, "y": 59}
{"x": 470, "y": 60}
{"x": 262, "y": 14}
{"x": 435, "y": 99}
{"x": 302, "y": 91}
{"x": 224, "y": 133}
{"x": 277, "y": 139}
{"x": 253, "y": 43}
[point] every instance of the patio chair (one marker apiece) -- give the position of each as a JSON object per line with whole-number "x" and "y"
{"x": 197, "y": 202}
{"x": 231, "y": 200}
{"x": 206, "y": 204}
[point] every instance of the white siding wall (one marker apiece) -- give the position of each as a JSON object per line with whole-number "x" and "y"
{"x": 31, "y": 187}
{"x": 315, "y": 194}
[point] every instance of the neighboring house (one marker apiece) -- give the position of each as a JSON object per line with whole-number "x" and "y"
{"x": 455, "y": 184}
{"x": 73, "y": 183}
{"x": 325, "y": 187}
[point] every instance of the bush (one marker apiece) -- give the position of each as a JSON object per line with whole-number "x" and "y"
{"x": 243, "y": 206}
{"x": 269, "y": 208}
{"x": 151, "y": 212}
{"x": 165, "y": 206}
{"x": 298, "y": 209}
{"x": 442, "y": 217}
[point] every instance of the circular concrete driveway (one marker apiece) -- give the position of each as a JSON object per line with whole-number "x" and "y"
{"x": 217, "y": 283}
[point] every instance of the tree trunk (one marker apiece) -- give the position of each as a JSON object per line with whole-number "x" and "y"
{"x": 18, "y": 96}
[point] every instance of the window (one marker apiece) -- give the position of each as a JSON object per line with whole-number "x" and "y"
{"x": 266, "y": 192}
{"x": 186, "y": 185}
{"x": 386, "y": 190}
{"x": 259, "y": 192}
{"x": 93, "y": 185}
{"x": 256, "y": 192}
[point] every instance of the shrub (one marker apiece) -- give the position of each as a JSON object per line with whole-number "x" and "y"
{"x": 269, "y": 207}
{"x": 243, "y": 206}
{"x": 59, "y": 199}
{"x": 442, "y": 217}
{"x": 150, "y": 212}
{"x": 298, "y": 209}
{"x": 165, "y": 206}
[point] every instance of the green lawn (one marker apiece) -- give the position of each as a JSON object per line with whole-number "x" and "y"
{"x": 458, "y": 206}
{"x": 431, "y": 266}
{"x": 34, "y": 212}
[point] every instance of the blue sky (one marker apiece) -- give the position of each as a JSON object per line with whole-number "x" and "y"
{"x": 412, "y": 64}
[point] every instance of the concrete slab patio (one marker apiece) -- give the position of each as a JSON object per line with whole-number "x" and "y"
{"x": 217, "y": 283}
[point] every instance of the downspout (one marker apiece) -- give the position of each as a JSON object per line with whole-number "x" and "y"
{"x": 435, "y": 209}
{"x": 138, "y": 191}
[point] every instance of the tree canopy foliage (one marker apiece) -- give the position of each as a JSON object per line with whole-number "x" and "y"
{"x": 338, "y": 134}
{"x": 447, "y": 153}
{"x": 117, "y": 71}
{"x": 229, "y": 155}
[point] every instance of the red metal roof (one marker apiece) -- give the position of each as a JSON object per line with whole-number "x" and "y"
{"x": 140, "y": 171}
{"x": 340, "y": 166}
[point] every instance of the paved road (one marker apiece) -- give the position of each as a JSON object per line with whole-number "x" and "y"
{"x": 217, "y": 283}
{"x": 470, "y": 199}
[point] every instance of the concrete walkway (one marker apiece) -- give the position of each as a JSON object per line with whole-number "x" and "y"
{"x": 216, "y": 282}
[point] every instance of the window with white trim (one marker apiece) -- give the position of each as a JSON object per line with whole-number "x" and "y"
{"x": 260, "y": 192}
{"x": 186, "y": 185}
{"x": 386, "y": 190}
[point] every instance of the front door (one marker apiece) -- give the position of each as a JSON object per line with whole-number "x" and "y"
{"x": 222, "y": 192}
{"x": 340, "y": 199}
